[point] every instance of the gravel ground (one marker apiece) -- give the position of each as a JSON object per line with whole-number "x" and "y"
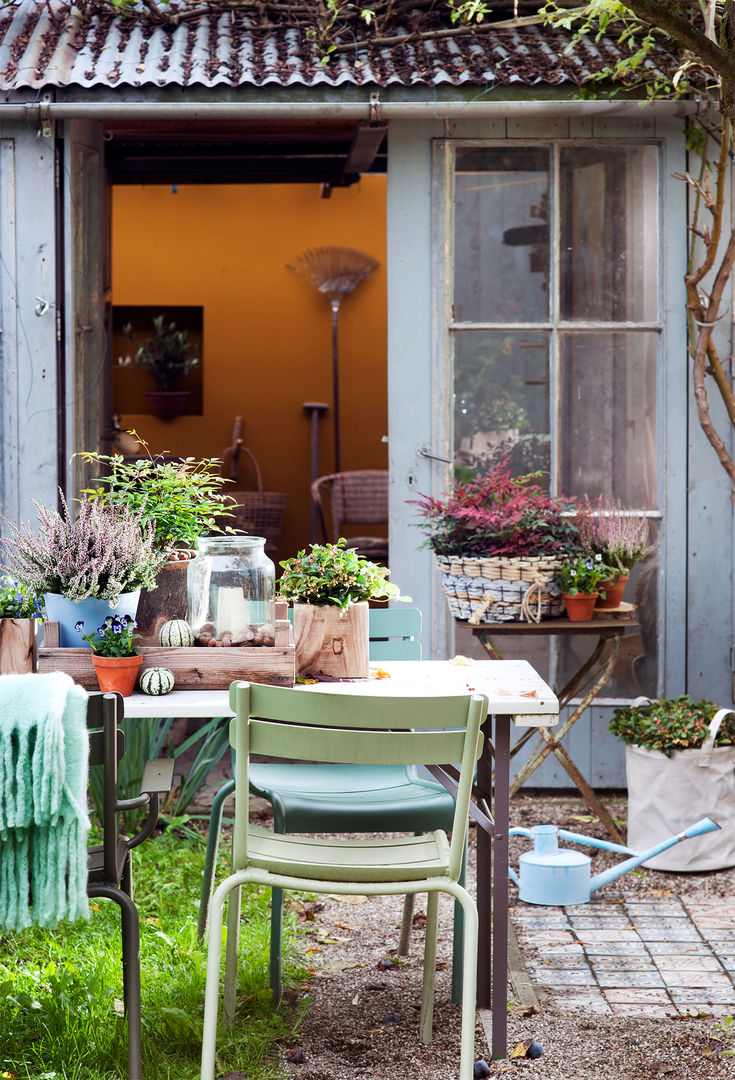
{"x": 363, "y": 1017}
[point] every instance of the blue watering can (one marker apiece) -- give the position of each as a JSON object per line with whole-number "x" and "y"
{"x": 559, "y": 876}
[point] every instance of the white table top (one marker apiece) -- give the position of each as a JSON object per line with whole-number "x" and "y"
{"x": 512, "y": 688}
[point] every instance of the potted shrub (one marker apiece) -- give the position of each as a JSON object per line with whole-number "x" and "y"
{"x": 499, "y": 540}
{"x": 168, "y": 355}
{"x": 20, "y": 611}
{"x": 180, "y": 501}
{"x": 115, "y": 656}
{"x": 329, "y": 587}
{"x": 620, "y": 536}
{"x": 680, "y": 765}
{"x": 580, "y": 578}
{"x": 86, "y": 569}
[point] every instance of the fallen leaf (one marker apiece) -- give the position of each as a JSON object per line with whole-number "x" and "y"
{"x": 297, "y": 1056}
{"x": 529, "y": 693}
{"x": 463, "y": 661}
{"x": 356, "y": 999}
{"x": 347, "y": 926}
{"x": 519, "y": 1050}
{"x": 380, "y": 673}
{"x": 348, "y": 899}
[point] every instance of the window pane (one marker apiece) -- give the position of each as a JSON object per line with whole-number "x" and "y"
{"x": 609, "y": 250}
{"x": 501, "y": 399}
{"x": 501, "y": 235}
{"x": 607, "y": 423}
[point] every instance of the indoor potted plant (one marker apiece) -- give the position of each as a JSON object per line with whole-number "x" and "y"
{"x": 85, "y": 568}
{"x": 620, "y": 536}
{"x": 20, "y": 611}
{"x": 180, "y": 501}
{"x": 329, "y": 587}
{"x": 168, "y": 355}
{"x": 499, "y": 540}
{"x": 580, "y": 579}
{"x": 680, "y": 766}
{"x": 115, "y": 655}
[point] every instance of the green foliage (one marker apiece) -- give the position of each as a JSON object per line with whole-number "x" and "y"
{"x": 179, "y": 500}
{"x": 671, "y": 724}
{"x": 335, "y": 574}
{"x": 61, "y": 990}
{"x": 17, "y": 601}
{"x": 583, "y": 574}
{"x": 114, "y": 638}
{"x": 167, "y": 353}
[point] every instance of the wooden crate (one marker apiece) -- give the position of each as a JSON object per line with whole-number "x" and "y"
{"x": 193, "y": 669}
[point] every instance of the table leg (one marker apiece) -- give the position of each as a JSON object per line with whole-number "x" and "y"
{"x": 500, "y": 889}
{"x": 484, "y": 865}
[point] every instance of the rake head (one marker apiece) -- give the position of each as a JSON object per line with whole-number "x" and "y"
{"x": 334, "y": 271}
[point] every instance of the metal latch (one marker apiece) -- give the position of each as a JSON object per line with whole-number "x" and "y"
{"x": 426, "y": 452}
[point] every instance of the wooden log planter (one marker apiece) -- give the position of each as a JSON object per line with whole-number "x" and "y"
{"x": 193, "y": 668}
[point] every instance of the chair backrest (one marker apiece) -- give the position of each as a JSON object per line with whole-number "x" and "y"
{"x": 393, "y": 633}
{"x": 349, "y": 728}
{"x": 359, "y": 497}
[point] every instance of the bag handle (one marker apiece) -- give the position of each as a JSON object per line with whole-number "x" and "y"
{"x": 705, "y": 752}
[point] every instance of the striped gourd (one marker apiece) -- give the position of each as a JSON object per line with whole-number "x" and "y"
{"x": 176, "y": 634}
{"x": 156, "y": 681}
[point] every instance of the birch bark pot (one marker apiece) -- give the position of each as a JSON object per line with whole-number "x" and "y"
{"x": 332, "y": 643}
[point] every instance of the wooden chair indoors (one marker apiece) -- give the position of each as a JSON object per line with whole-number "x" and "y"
{"x": 344, "y": 728}
{"x": 356, "y": 498}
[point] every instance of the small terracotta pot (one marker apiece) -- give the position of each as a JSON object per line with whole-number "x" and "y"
{"x": 117, "y": 673}
{"x": 166, "y": 404}
{"x": 613, "y": 589}
{"x": 580, "y": 606}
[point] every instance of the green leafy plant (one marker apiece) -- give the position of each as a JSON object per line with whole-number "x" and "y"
{"x": 617, "y": 534}
{"x": 335, "y": 574}
{"x": 583, "y": 574}
{"x": 17, "y": 601}
{"x": 179, "y": 500}
{"x": 670, "y": 724}
{"x": 167, "y": 353}
{"x": 499, "y": 514}
{"x": 116, "y": 636}
{"x": 106, "y": 551}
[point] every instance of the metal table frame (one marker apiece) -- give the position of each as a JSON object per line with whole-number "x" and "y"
{"x": 589, "y": 680}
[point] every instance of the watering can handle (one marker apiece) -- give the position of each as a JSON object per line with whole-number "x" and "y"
{"x": 705, "y": 754}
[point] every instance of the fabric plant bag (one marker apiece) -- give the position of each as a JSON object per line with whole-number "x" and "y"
{"x": 668, "y": 794}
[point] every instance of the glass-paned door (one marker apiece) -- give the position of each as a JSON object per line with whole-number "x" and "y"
{"x": 555, "y": 337}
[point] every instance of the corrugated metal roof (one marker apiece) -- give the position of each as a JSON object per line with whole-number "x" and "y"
{"x": 75, "y": 48}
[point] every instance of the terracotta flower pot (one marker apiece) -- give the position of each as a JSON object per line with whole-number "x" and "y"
{"x": 613, "y": 589}
{"x": 117, "y": 673}
{"x": 580, "y": 606}
{"x": 166, "y": 404}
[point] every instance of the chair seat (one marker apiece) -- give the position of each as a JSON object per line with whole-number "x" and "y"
{"x": 410, "y": 858}
{"x": 96, "y": 860}
{"x": 361, "y": 798}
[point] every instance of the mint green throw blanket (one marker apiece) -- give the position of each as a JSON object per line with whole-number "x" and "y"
{"x": 44, "y": 752}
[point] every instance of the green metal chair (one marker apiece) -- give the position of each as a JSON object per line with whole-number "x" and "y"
{"x": 349, "y": 729}
{"x": 361, "y": 798}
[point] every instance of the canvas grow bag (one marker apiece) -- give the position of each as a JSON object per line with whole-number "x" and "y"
{"x": 668, "y": 794}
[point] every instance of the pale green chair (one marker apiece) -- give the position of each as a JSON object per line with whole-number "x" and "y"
{"x": 344, "y": 728}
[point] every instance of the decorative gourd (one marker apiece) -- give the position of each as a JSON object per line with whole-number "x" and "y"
{"x": 176, "y": 634}
{"x": 156, "y": 681}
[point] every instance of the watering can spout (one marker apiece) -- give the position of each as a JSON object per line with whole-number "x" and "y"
{"x": 704, "y": 825}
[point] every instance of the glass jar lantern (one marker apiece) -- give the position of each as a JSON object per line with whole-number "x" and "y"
{"x": 230, "y": 592}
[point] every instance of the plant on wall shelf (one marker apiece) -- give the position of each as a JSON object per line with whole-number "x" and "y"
{"x": 169, "y": 355}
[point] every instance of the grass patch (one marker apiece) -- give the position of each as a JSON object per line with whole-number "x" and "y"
{"x": 61, "y": 990}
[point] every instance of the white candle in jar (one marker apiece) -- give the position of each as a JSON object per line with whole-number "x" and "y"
{"x": 231, "y": 611}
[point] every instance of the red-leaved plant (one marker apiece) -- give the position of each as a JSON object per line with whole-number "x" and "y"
{"x": 499, "y": 514}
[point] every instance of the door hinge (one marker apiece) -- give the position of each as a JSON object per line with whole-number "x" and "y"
{"x": 732, "y": 672}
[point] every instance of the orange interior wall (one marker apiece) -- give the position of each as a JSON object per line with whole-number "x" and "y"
{"x": 267, "y": 332}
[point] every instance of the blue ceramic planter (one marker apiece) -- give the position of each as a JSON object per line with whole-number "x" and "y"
{"x": 92, "y": 612}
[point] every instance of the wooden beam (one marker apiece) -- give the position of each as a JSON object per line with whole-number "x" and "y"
{"x": 367, "y": 141}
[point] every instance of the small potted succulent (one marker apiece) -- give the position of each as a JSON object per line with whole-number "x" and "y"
{"x": 21, "y": 610}
{"x": 86, "y": 568}
{"x": 115, "y": 655}
{"x": 330, "y": 586}
{"x": 580, "y": 578}
{"x": 679, "y": 761}
{"x": 620, "y": 537}
{"x": 168, "y": 355}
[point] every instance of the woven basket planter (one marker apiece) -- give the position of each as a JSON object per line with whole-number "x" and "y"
{"x": 499, "y": 589}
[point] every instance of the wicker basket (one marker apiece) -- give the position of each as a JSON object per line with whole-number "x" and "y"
{"x": 499, "y": 589}
{"x": 260, "y": 513}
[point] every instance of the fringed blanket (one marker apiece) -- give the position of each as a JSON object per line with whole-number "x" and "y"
{"x": 44, "y": 750}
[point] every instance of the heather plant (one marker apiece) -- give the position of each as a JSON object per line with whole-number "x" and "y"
{"x": 671, "y": 724}
{"x": 103, "y": 553}
{"x": 499, "y": 514}
{"x": 620, "y": 536}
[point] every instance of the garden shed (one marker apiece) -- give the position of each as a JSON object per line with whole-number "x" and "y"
{"x": 529, "y": 297}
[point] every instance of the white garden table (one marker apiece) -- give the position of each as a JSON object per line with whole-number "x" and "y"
{"x": 515, "y": 694}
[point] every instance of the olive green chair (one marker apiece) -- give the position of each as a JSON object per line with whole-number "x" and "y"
{"x": 347, "y": 728}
